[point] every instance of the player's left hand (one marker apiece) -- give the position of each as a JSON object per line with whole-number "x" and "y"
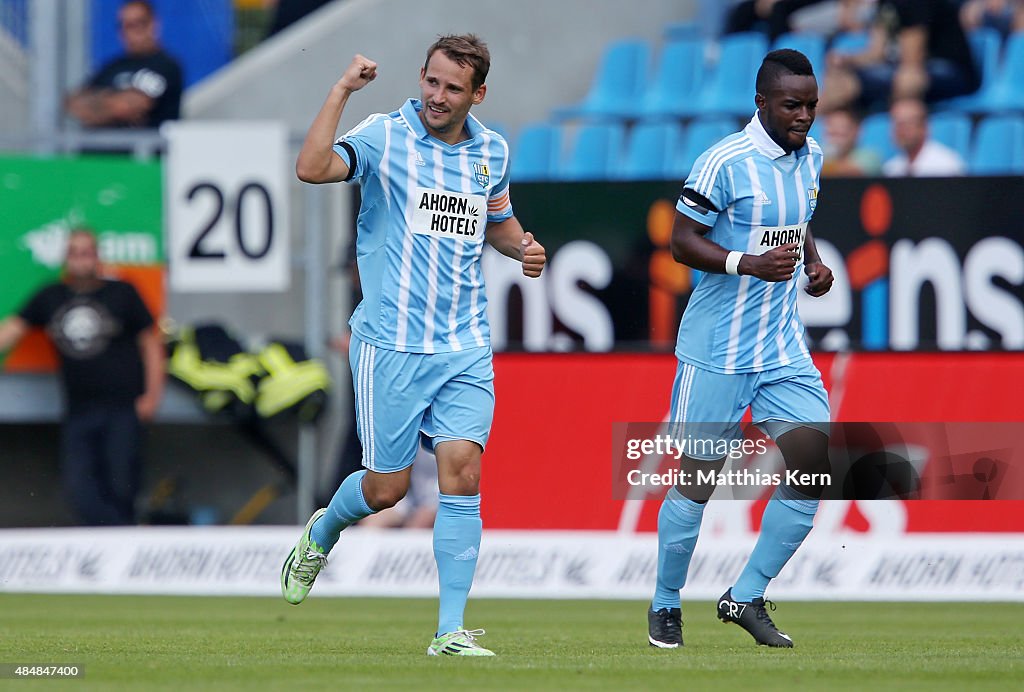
{"x": 534, "y": 256}
{"x": 820, "y": 279}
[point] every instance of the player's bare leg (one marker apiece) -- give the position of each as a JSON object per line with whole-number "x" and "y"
{"x": 678, "y": 525}
{"x": 787, "y": 520}
{"x": 457, "y": 531}
{"x": 360, "y": 495}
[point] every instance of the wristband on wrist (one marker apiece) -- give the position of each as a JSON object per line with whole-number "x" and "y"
{"x": 732, "y": 263}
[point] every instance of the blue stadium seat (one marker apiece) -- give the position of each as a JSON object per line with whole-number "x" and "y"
{"x": 675, "y": 86}
{"x": 730, "y": 88}
{"x": 876, "y": 134}
{"x": 700, "y": 135}
{"x": 618, "y": 83}
{"x": 537, "y": 152}
{"x": 681, "y": 30}
{"x": 811, "y": 45}
{"x": 998, "y": 146}
{"x": 650, "y": 152}
{"x": 850, "y": 42}
{"x": 954, "y": 130}
{"x": 1006, "y": 91}
{"x": 596, "y": 149}
{"x": 985, "y": 47}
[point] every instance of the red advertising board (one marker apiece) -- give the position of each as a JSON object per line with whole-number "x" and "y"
{"x": 548, "y": 463}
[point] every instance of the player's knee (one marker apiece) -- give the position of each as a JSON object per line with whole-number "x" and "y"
{"x": 465, "y": 480}
{"x": 384, "y": 495}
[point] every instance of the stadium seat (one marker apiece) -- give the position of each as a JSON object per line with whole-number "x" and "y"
{"x": 1006, "y": 91}
{"x": 596, "y": 149}
{"x": 985, "y": 47}
{"x": 675, "y": 87}
{"x": 650, "y": 151}
{"x": 850, "y": 42}
{"x": 729, "y": 89}
{"x": 998, "y": 146}
{"x": 537, "y": 152}
{"x": 618, "y": 83}
{"x": 811, "y": 45}
{"x": 876, "y": 134}
{"x": 681, "y": 30}
{"x": 700, "y": 135}
{"x": 954, "y": 130}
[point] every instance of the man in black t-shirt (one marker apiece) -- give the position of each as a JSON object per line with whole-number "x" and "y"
{"x": 141, "y": 88}
{"x": 112, "y": 367}
{"x": 917, "y": 50}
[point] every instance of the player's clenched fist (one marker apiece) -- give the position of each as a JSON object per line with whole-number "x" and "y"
{"x": 819, "y": 279}
{"x": 534, "y": 256}
{"x": 360, "y": 72}
{"x": 778, "y": 264}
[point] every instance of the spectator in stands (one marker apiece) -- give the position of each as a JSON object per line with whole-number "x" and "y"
{"x": 919, "y": 155}
{"x": 842, "y": 155}
{"x": 917, "y": 49}
{"x": 112, "y": 366}
{"x": 776, "y": 17}
{"x": 140, "y": 88}
{"x": 1005, "y": 16}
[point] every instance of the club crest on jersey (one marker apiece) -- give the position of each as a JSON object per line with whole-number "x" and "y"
{"x": 812, "y": 197}
{"x": 483, "y": 174}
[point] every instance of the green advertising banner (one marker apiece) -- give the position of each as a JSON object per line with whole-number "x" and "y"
{"x": 42, "y": 199}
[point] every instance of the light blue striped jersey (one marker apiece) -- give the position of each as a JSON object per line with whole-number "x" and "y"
{"x": 765, "y": 198}
{"x": 420, "y": 233}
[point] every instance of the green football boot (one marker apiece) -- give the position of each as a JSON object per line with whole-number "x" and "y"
{"x": 458, "y": 643}
{"x": 303, "y": 564}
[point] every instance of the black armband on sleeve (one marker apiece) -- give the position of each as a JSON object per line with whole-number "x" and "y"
{"x": 351, "y": 151}
{"x": 698, "y": 202}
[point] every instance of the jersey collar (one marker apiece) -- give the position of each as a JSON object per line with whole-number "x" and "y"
{"x": 411, "y": 115}
{"x": 764, "y": 143}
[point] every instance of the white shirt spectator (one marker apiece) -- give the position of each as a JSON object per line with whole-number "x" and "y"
{"x": 934, "y": 160}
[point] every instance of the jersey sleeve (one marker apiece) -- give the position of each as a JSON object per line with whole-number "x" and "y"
{"x": 102, "y": 77}
{"x": 499, "y": 204}
{"x": 709, "y": 179}
{"x": 40, "y": 308}
{"x": 360, "y": 148}
{"x": 137, "y": 316}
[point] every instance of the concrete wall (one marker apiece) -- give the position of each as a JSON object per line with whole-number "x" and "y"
{"x": 543, "y": 54}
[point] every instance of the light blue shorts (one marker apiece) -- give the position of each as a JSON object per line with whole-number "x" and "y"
{"x": 399, "y": 396}
{"x": 781, "y": 399}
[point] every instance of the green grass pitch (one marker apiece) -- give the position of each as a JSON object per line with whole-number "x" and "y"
{"x": 178, "y": 643}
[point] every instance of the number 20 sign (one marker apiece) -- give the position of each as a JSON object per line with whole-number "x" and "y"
{"x": 226, "y": 201}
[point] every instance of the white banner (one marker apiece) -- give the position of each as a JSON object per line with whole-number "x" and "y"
{"x": 226, "y": 201}
{"x": 513, "y": 564}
